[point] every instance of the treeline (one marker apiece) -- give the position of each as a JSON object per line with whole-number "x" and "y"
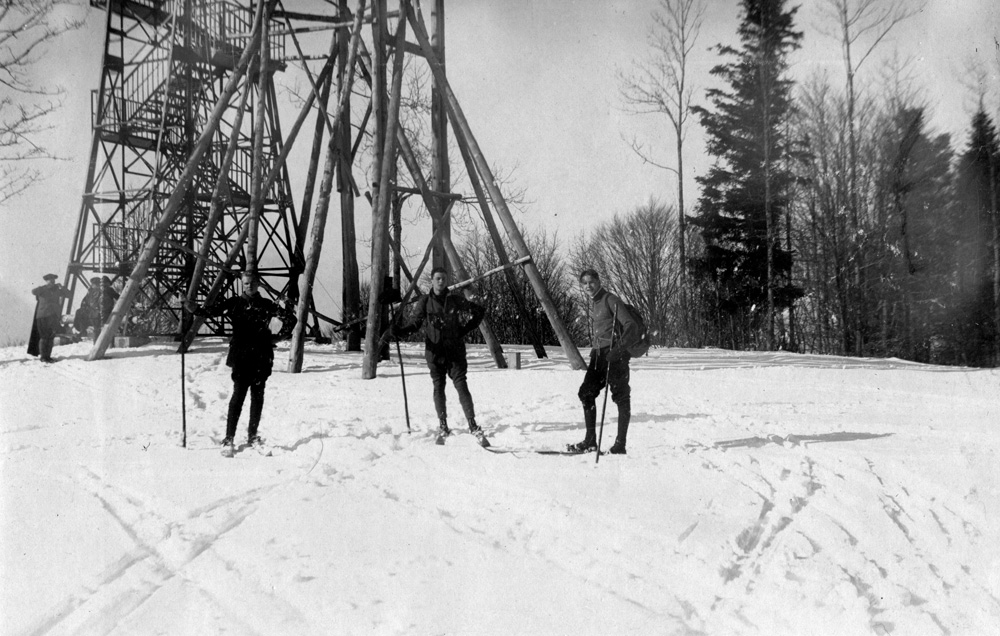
{"x": 831, "y": 221}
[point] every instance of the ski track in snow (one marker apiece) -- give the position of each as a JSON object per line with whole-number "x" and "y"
{"x": 763, "y": 494}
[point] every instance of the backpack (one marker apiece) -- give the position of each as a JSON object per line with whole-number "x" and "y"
{"x": 642, "y": 345}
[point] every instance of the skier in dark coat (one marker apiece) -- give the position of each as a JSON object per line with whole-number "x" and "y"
{"x": 608, "y": 364}
{"x": 443, "y": 316}
{"x": 48, "y": 317}
{"x": 251, "y": 354}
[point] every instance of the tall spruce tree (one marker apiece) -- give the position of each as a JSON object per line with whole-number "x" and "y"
{"x": 978, "y": 248}
{"x": 746, "y": 271}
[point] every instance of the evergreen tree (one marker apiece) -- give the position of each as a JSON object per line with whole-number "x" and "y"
{"x": 915, "y": 274}
{"x": 976, "y": 253}
{"x": 745, "y": 193}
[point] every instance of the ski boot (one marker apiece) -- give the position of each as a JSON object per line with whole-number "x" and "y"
{"x": 443, "y": 432}
{"x": 228, "y": 448}
{"x": 256, "y": 442}
{"x": 476, "y": 430}
{"x": 618, "y": 448}
{"x": 588, "y": 445}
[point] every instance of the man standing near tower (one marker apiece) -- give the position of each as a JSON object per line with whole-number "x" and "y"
{"x": 612, "y": 329}
{"x": 447, "y": 318}
{"x": 48, "y": 317}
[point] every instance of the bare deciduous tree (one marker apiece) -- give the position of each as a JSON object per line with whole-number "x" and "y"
{"x": 26, "y": 28}
{"x": 660, "y": 86}
{"x": 632, "y": 252}
{"x": 860, "y": 26}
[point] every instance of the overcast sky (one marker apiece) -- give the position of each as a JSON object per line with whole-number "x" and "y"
{"x": 538, "y": 83}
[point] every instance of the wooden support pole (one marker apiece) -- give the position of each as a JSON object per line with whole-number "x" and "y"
{"x": 501, "y": 249}
{"x": 257, "y": 167}
{"x": 177, "y": 197}
{"x": 440, "y": 166}
{"x": 314, "y": 155}
{"x": 382, "y": 204}
{"x": 464, "y": 136}
{"x": 322, "y": 207}
{"x": 350, "y": 292}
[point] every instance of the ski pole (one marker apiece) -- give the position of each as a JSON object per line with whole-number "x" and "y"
{"x": 184, "y": 427}
{"x": 607, "y": 378}
{"x": 402, "y": 376}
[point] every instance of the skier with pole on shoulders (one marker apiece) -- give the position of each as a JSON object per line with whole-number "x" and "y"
{"x": 447, "y": 318}
{"x": 612, "y": 330}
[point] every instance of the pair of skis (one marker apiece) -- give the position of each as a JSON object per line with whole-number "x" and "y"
{"x": 230, "y": 451}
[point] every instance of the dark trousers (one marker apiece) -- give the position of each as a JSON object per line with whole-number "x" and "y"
{"x": 240, "y": 388}
{"x": 48, "y": 327}
{"x": 617, "y": 378}
{"x": 454, "y": 368}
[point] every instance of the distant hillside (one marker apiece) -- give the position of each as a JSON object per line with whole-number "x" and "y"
{"x": 15, "y": 316}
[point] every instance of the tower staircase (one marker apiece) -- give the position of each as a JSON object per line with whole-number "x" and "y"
{"x": 164, "y": 65}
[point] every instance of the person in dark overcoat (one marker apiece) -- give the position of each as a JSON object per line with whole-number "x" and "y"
{"x": 251, "y": 353}
{"x": 47, "y": 321}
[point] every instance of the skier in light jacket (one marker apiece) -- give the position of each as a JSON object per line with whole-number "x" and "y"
{"x": 608, "y": 360}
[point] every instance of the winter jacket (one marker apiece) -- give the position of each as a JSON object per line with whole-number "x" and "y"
{"x": 49, "y": 300}
{"x": 99, "y": 302}
{"x": 446, "y": 319}
{"x": 251, "y": 348}
{"x": 601, "y": 320}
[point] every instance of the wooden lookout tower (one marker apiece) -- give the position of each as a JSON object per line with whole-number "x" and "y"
{"x": 164, "y": 68}
{"x": 184, "y": 190}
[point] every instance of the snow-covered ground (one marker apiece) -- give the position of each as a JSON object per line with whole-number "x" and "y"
{"x": 762, "y": 494}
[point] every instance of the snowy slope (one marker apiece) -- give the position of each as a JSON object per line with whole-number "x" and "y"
{"x": 762, "y": 494}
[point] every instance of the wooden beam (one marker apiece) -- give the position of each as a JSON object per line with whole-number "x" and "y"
{"x": 487, "y": 273}
{"x": 440, "y": 195}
